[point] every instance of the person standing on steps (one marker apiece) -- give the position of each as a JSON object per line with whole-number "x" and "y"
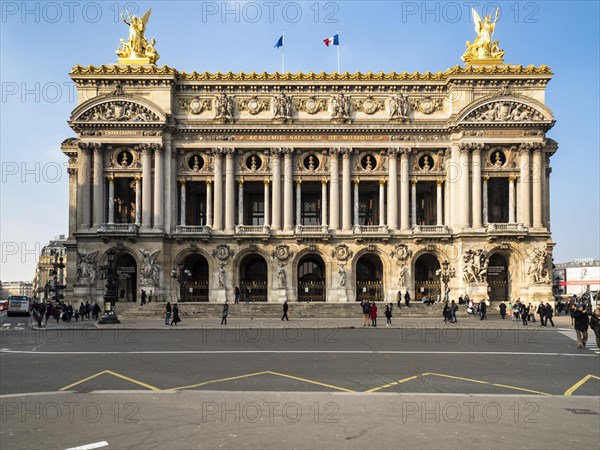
{"x": 503, "y": 310}
{"x": 225, "y": 314}
{"x": 285, "y": 311}
{"x": 407, "y": 299}
{"x": 388, "y": 315}
{"x": 236, "y": 295}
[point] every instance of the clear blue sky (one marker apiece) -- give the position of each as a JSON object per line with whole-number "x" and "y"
{"x": 41, "y": 41}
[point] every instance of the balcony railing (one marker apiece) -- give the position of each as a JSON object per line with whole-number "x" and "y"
{"x": 193, "y": 229}
{"x": 311, "y": 229}
{"x": 434, "y": 229}
{"x": 252, "y": 230}
{"x": 120, "y": 228}
{"x": 371, "y": 229}
{"x": 505, "y": 227}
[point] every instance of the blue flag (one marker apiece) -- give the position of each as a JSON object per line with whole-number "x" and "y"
{"x": 279, "y": 42}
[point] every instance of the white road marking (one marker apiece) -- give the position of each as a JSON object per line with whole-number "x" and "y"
{"x": 333, "y": 352}
{"x": 90, "y": 446}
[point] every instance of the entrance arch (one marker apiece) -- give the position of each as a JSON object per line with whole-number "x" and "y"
{"x": 195, "y": 288}
{"x": 126, "y": 269}
{"x": 427, "y": 279}
{"x": 497, "y": 278}
{"x": 311, "y": 279}
{"x": 369, "y": 278}
{"x": 254, "y": 278}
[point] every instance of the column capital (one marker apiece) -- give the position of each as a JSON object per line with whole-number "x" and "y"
{"x": 393, "y": 151}
{"x": 287, "y": 151}
{"x": 440, "y": 182}
{"x": 158, "y": 148}
{"x": 110, "y": 178}
{"x": 298, "y": 182}
{"x": 346, "y": 152}
{"x": 89, "y": 146}
{"x": 145, "y": 148}
{"x": 405, "y": 151}
{"x": 382, "y": 182}
{"x": 486, "y": 178}
{"x": 241, "y": 182}
{"x": 512, "y": 179}
{"x": 208, "y": 182}
{"x": 137, "y": 178}
{"x": 182, "y": 182}
{"x": 229, "y": 152}
{"x": 413, "y": 182}
{"x": 72, "y": 171}
{"x": 266, "y": 181}
{"x": 471, "y": 146}
{"x": 276, "y": 151}
{"x": 334, "y": 151}
{"x": 533, "y": 146}
{"x": 324, "y": 182}
{"x": 356, "y": 182}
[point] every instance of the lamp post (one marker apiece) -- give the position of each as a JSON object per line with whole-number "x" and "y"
{"x": 110, "y": 296}
{"x": 181, "y": 275}
{"x": 445, "y": 274}
{"x": 57, "y": 273}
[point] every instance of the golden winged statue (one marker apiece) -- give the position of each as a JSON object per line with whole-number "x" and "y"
{"x": 136, "y": 50}
{"x": 483, "y": 50}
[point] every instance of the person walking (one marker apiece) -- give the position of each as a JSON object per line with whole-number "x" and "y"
{"x": 167, "y": 312}
{"x": 548, "y": 312}
{"x": 95, "y": 311}
{"x": 446, "y": 312}
{"x": 373, "y": 313}
{"x": 503, "y": 310}
{"x": 524, "y": 313}
{"x": 225, "y": 314}
{"x": 143, "y": 302}
{"x": 482, "y": 310}
{"x": 366, "y": 311}
{"x": 88, "y": 310}
{"x": 176, "y": 318}
{"x": 285, "y": 311}
{"x": 236, "y": 295}
{"x": 581, "y": 324}
{"x": 541, "y": 311}
{"x": 453, "y": 309}
{"x": 82, "y": 311}
{"x": 388, "y": 315}
{"x": 595, "y": 325}
{"x": 150, "y": 296}
{"x": 407, "y": 299}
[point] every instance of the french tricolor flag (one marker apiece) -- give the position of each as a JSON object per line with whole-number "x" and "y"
{"x": 333, "y": 40}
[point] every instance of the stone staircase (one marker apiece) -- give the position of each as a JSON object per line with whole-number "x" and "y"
{"x": 270, "y": 310}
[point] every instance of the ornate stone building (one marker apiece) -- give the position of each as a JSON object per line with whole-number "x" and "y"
{"x": 311, "y": 187}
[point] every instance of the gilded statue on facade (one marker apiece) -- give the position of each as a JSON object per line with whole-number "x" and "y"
{"x": 483, "y": 50}
{"x": 136, "y": 50}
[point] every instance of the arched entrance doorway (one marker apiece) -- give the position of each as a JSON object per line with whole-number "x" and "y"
{"x": 369, "y": 278}
{"x": 254, "y": 278}
{"x": 311, "y": 279}
{"x": 195, "y": 287}
{"x": 126, "y": 269}
{"x": 497, "y": 278}
{"x": 427, "y": 279}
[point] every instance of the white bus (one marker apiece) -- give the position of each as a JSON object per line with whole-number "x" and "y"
{"x": 18, "y": 305}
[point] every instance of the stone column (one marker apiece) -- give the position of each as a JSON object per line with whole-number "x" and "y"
{"x": 159, "y": 189}
{"x": 381, "y": 203}
{"x": 439, "y": 202}
{"x": 288, "y": 191}
{"x": 447, "y": 203}
{"x": 334, "y": 190}
{"x": 146, "y": 186}
{"x": 511, "y": 199}
{"x": 413, "y": 203}
{"x": 218, "y": 196}
{"x": 98, "y": 200}
{"x": 182, "y": 208}
{"x": 84, "y": 174}
{"x": 111, "y": 200}
{"x": 476, "y": 165}
{"x": 138, "y": 201}
{"x": 346, "y": 190}
{"x": 525, "y": 194}
{"x": 537, "y": 187}
{"x": 298, "y": 202}
{"x": 170, "y": 185}
{"x": 392, "y": 197}
{"x": 241, "y": 202}
{"x": 464, "y": 185}
{"x": 324, "y": 203}
{"x": 276, "y": 216}
{"x": 73, "y": 201}
{"x": 485, "y": 207}
{"x": 267, "y": 204}
{"x": 356, "y": 194}
{"x": 229, "y": 190}
{"x": 209, "y": 203}
{"x": 404, "y": 187}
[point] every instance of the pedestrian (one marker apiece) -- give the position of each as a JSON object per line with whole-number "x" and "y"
{"x": 143, "y": 297}
{"x": 453, "y": 309}
{"x": 82, "y": 311}
{"x": 236, "y": 295}
{"x": 167, "y": 312}
{"x": 517, "y": 310}
{"x": 548, "y": 315}
{"x": 122, "y": 295}
{"x": 503, "y": 309}
{"x": 388, "y": 315}
{"x": 225, "y": 314}
{"x": 407, "y": 299}
{"x": 366, "y": 311}
{"x": 95, "y": 311}
{"x": 399, "y": 298}
{"x": 176, "y": 318}
{"x": 595, "y": 325}
{"x": 510, "y": 309}
{"x": 150, "y": 297}
{"x": 373, "y": 313}
{"x": 88, "y": 310}
{"x": 247, "y": 296}
{"x": 482, "y": 310}
{"x": 572, "y": 309}
{"x": 524, "y": 313}
{"x": 446, "y": 312}
{"x": 581, "y": 323}
{"x": 285, "y": 311}
{"x": 541, "y": 310}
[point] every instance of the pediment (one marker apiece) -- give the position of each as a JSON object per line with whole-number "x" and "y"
{"x": 117, "y": 110}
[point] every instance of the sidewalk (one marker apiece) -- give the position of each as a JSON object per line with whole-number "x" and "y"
{"x": 561, "y": 323}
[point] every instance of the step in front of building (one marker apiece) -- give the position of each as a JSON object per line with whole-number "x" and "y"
{"x": 270, "y": 310}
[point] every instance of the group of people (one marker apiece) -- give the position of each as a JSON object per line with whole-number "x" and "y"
{"x": 145, "y": 298}
{"x": 449, "y": 311}
{"x": 171, "y": 310}
{"x": 369, "y": 311}
{"x": 526, "y": 312}
{"x": 582, "y": 321}
{"x": 64, "y": 311}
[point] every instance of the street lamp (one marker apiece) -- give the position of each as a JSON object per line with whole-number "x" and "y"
{"x": 57, "y": 273}
{"x": 445, "y": 274}
{"x": 181, "y": 275}
{"x": 110, "y": 296}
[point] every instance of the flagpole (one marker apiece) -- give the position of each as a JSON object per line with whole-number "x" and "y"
{"x": 338, "y": 51}
{"x": 283, "y": 53}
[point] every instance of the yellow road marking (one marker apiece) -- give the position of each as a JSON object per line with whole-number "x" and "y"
{"x": 577, "y": 385}
{"x": 375, "y": 389}
{"x": 485, "y": 382}
{"x": 520, "y": 389}
{"x": 217, "y": 381}
{"x": 312, "y": 382}
{"x": 114, "y": 374}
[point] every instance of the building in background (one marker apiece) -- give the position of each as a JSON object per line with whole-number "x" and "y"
{"x": 44, "y": 271}
{"x": 17, "y": 288}
{"x": 577, "y": 277}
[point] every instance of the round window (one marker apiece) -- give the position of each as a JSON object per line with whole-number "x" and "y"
{"x": 368, "y": 162}
{"x": 426, "y": 162}
{"x": 124, "y": 159}
{"x": 196, "y": 162}
{"x": 311, "y": 162}
{"x": 254, "y": 162}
